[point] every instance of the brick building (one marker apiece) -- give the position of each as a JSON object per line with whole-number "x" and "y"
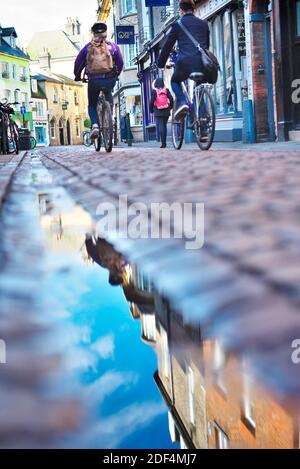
{"x": 213, "y": 399}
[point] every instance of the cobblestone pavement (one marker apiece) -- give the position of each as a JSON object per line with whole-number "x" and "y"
{"x": 243, "y": 285}
{"x": 247, "y": 275}
{"x": 8, "y": 165}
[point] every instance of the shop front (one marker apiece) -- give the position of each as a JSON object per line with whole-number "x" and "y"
{"x": 287, "y": 68}
{"x": 229, "y": 43}
{"x": 41, "y": 132}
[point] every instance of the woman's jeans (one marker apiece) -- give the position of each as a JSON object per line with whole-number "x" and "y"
{"x": 162, "y": 127}
{"x": 94, "y": 88}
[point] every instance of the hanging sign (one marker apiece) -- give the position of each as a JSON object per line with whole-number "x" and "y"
{"x": 125, "y": 35}
{"x": 157, "y": 3}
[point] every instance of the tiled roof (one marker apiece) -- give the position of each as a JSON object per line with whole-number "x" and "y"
{"x": 8, "y": 32}
{"x": 57, "y": 43}
{"x": 7, "y": 49}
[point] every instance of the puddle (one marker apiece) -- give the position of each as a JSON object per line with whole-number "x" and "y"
{"x": 137, "y": 371}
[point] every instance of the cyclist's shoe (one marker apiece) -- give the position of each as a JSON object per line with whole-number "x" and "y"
{"x": 181, "y": 112}
{"x": 95, "y": 131}
{"x": 204, "y": 138}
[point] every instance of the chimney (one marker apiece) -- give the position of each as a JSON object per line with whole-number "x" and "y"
{"x": 45, "y": 60}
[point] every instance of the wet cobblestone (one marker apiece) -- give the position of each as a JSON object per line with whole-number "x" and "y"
{"x": 246, "y": 277}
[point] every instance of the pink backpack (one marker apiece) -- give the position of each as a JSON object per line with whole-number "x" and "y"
{"x": 162, "y": 100}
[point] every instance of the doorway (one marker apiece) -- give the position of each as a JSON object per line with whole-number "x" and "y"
{"x": 68, "y": 133}
{"x": 61, "y": 132}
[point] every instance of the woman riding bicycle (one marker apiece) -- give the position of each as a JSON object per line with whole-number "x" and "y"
{"x": 188, "y": 61}
{"x": 103, "y": 62}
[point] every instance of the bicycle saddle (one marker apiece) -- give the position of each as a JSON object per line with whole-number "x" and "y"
{"x": 197, "y": 76}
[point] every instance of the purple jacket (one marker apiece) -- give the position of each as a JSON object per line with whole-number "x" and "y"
{"x": 80, "y": 62}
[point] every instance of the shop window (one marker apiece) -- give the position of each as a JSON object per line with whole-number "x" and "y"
{"x": 229, "y": 45}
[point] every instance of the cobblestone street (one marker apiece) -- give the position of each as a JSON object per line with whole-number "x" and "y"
{"x": 250, "y": 262}
{"x": 242, "y": 287}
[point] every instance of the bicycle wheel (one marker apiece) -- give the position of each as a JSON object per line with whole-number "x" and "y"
{"x": 205, "y": 122}
{"x": 178, "y": 131}
{"x": 107, "y": 127}
{"x": 32, "y": 143}
{"x": 3, "y": 140}
{"x": 12, "y": 138}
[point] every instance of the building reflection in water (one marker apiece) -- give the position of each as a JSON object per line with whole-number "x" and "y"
{"x": 212, "y": 397}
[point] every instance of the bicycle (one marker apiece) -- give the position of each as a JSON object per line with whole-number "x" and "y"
{"x": 105, "y": 123}
{"x": 201, "y": 115}
{"x": 9, "y": 130}
{"x": 87, "y": 142}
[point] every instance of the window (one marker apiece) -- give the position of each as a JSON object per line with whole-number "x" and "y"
{"x": 23, "y": 74}
{"x": 191, "y": 390}
{"x": 221, "y": 437}
{"x": 39, "y": 109}
{"x": 165, "y": 354}
{"x": 248, "y": 409}
{"x": 5, "y": 70}
{"x": 219, "y": 362}
{"x": 13, "y": 42}
{"x": 52, "y": 128}
{"x": 130, "y": 54}
{"x": 148, "y": 326}
{"x": 55, "y": 96}
{"x": 34, "y": 85}
{"x": 128, "y": 6}
{"x": 14, "y": 72}
{"x": 24, "y": 99}
{"x": 77, "y": 128}
{"x": 16, "y": 96}
{"x": 76, "y": 98}
{"x": 7, "y": 95}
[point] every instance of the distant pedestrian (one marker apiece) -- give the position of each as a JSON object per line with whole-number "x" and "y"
{"x": 160, "y": 105}
{"x": 126, "y": 133}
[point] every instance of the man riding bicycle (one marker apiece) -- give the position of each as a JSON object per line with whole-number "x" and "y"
{"x": 188, "y": 60}
{"x": 103, "y": 62}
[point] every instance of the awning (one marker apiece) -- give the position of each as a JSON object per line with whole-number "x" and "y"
{"x": 136, "y": 91}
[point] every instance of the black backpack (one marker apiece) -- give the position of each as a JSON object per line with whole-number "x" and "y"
{"x": 210, "y": 62}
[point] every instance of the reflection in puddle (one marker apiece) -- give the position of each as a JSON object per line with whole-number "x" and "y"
{"x": 212, "y": 398}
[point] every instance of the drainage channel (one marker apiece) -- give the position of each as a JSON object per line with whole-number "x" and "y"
{"x": 101, "y": 359}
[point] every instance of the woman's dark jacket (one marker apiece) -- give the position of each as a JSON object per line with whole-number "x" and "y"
{"x": 160, "y": 112}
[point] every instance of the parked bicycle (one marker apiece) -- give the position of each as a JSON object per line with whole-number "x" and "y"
{"x": 9, "y": 131}
{"x": 201, "y": 117}
{"x": 105, "y": 124}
